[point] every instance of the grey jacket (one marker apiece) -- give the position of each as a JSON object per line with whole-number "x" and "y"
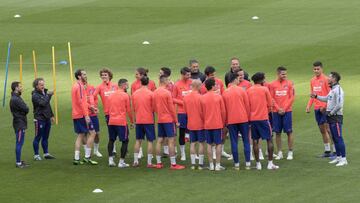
{"x": 335, "y": 100}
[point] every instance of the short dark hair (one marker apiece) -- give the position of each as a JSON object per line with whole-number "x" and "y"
{"x": 108, "y": 71}
{"x": 233, "y": 76}
{"x": 235, "y": 58}
{"x": 317, "y": 63}
{"x": 209, "y": 70}
{"x": 209, "y": 83}
{"x": 78, "y": 73}
{"x": 185, "y": 70}
{"x": 14, "y": 85}
{"x": 36, "y": 82}
{"x": 144, "y": 80}
{"x": 162, "y": 79}
{"x": 281, "y": 68}
{"x": 122, "y": 81}
{"x": 142, "y": 71}
{"x": 258, "y": 77}
{"x": 336, "y": 75}
{"x": 191, "y": 61}
{"x": 166, "y": 71}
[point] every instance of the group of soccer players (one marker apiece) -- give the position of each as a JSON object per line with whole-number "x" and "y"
{"x": 203, "y": 111}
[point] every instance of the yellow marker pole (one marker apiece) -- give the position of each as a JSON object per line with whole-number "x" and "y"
{"x": 34, "y": 61}
{"x": 70, "y": 63}
{"x": 54, "y": 81}
{"x": 21, "y": 69}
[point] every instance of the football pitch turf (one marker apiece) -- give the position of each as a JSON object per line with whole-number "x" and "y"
{"x": 110, "y": 33}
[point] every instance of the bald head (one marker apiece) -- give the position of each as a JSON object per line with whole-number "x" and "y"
{"x": 196, "y": 85}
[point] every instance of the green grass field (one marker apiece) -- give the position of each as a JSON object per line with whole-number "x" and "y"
{"x": 110, "y": 33}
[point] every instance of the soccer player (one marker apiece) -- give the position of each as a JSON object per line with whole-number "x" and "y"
{"x": 105, "y": 89}
{"x": 181, "y": 89}
{"x": 334, "y": 111}
{"x": 93, "y": 113}
{"x": 140, "y": 72}
{"x": 214, "y": 115}
{"x": 319, "y": 86}
{"x": 195, "y": 72}
{"x": 43, "y": 117}
{"x": 283, "y": 95}
{"x": 119, "y": 107}
{"x": 19, "y": 110}
{"x": 195, "y": 124}
{"x": 219, "y": 89}
{"x": 243, "y": 83}
{"x": 260, "y": 106}
{"x": 164, "y": 108}
{"x": 143, "y": 105}
{"x": 238, "y": 110}
{"x": 234, "y": 66}
{"x": 80, "y": 115}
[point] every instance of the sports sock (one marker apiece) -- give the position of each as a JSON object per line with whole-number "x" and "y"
{"x": 173, "y": 160}
{"x": 114, "y": 148}
{"x": 111, "y": 159}
{"x": 77, "y": 155}
{"x": 136, "y": 157}
{"x": 217, "y": 164}
{"x": 182, "y": 149}
{"x": 270, "y": 162}
{"x": 96, "y": 147}
{"x": 122, "y": 161}
{"x": 222, "y": 148}
{"x": 87, "y": 152}
{"x": 201, "y": 159}
{"x": 333, "y": 148}
{"x": 158, "y": 159}
{"x": 192, "y": 156}
{"x": 327, "y": 147}
{"x": 166, "y": 149}
{"x": 211, "y": 164}
{"x": 149, "y": 160}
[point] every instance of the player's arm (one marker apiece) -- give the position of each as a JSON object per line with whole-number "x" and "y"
{"x": 175, "y": 95}
{"x": 223, "y": 111}
{"x": 291, "y": 97}
{"x": 268, "y": 100}
{"x": 40, "y": 101}
{"x": 272, "y": 94}
{"x": 82, "y": 100}
{"x": 21, "y": 105}
{"x": 247, "y": 103}
{"x": 339, "y": 95}
{"x": 129, "y": 111}
{"x": 171, "y": 108}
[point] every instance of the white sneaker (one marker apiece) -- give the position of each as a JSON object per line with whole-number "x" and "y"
{"x": 37, "y": 157}
{"x": 226, "y": 155}
{"x": 279, "y": 156}
{"x": 252, "y": 157}
{"x": 123, "y": 165}
{"x": 272, "y": 166}
{"x": 261, "y": 156}
{"x": 335, "y": 161}
{"x": 258, "y": 166}
{"x": 112, "y": 163}
{"x": 211, "y": 167}
{"x": 342, "y": 162}
{"x": 290, "y": 155}
{"x": 219, "y": 168}
{"x": 183, "y": 157}
{"x": 247, "y": 165}
{"x": 98, "y": 154}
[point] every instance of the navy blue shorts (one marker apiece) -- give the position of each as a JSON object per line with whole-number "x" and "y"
{"x": 213, "y": 136}
{"x": 80, "y": 126}
{"x": 95, "y": 122}
{"x": 166, "y": 129}
{"x": 320, "y": 117}
{"x": 282, "y": 122}
{"x": 197, "y": 136}
{"x": 145, "y": 129}
{"x": 117, "y": 131}
{"x": 260, "y": 129}
{"x": 182, "y": 118}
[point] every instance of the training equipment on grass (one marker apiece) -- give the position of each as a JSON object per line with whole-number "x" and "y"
{"x": 70, "y": 63}
{"x": 255, "y": 18}
{"x": 146, "y": 42}
{"x": 34, "y": 62}
{"x": 97, "y": 190}
{"x": 17, "y": 16}
{"x": 54, "y": 82}
{"x": 21, "y": 68}
{"x": 6, "y": 72}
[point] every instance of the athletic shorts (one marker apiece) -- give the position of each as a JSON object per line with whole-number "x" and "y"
{"x": 147, "y": 130}
{"x": 182, "y": 118}
{"x": 80, "y": 126}
{"x": 320, "y": 117}
{"x": 197, "y": 136}
{"x": 270, "y": 119}
{"x": 282, "y": 122}
{"x": 117, "y": 131}
{"x": 260, "y": 129}
{"x": 95, "y": 122}
{"x": 166, "y": 129}
{"x": 213, "y": 136}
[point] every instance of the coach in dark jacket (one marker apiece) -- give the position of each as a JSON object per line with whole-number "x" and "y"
{"x": 43, "y": 116}
{"x": 19, "y": 110}
{"x": 235, "y": 65}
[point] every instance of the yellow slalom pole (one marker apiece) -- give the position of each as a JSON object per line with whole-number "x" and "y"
{"x": 21, "y": 69}
{"x": 54, "y": 81}
{"x": 34, "y": 61}
{"x": 70, "y": 63}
